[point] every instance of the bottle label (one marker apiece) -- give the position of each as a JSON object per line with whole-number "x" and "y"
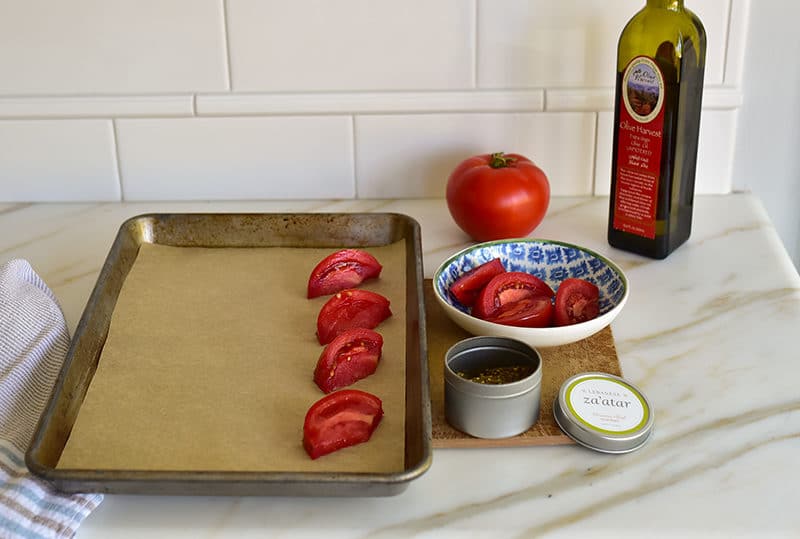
{"x": 640, "y": 133}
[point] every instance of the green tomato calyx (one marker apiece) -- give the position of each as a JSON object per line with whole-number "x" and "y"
{"x": 501, "y": 160}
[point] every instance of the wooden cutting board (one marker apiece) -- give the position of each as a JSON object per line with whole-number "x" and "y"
{"x": 596, "y": 353}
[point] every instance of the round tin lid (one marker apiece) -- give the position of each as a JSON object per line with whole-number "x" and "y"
{"x": 603, "y": 412}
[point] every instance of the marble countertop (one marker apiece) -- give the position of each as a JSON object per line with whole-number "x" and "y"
{"x": 708, "y": 334}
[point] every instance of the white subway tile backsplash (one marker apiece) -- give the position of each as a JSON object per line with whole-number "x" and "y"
{"x": 368, "y": 102}
{"x": 96, "y": 106}
{"x": 236, "y": 99}
{"x": 584, "y": 99}
{"x": 714, "y": 154}
{"x": 412, "y": 155}
{"x": 722, "y": 98}
{"x": 537, "y": 43}
{"x": 605, "y": 144}
{"x": 236, "y": 158}
{"x": 100, "y": 47}
{"x": 597, "y": 99}
{"x": 288, "y": 104}
{"x": 737, "y": 37}
{"x": 714, "y": 15}
{"x": 318, "y": 45}
{"x": 57, "y": 160}
{"x": 571, "y": 43}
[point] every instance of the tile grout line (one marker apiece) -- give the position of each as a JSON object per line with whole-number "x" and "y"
{"x": 115, "y": 140}
{"x": 353, "y": 154}
{"x": 475, "y": 41}
{"x": 227, "y": 44}
{"x": 299, "y": 103}
{"x": 595, "y": 152}
{"x": 727, "y": 41}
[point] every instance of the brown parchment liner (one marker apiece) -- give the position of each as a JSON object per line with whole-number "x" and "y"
{"x": 208, "y": 366}
{"x": 596, "y": 353}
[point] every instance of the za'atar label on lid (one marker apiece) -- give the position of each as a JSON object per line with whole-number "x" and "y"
{"x": 606, "y": 405}
{"x": 603, "y": 412}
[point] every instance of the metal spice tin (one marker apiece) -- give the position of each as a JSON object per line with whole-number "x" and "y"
{"x": 603, "y": 412}
{"x": 491, "y": 410}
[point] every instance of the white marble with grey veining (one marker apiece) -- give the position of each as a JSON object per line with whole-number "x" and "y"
{"x": 710, "y": 334}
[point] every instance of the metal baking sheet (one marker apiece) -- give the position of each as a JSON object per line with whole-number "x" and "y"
{"x": 318, "y": 230}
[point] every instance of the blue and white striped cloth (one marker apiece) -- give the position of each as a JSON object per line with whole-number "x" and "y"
{"x": 33, "y": 343}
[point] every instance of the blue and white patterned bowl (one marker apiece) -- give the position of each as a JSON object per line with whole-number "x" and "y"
{"x": 551, "y": 261}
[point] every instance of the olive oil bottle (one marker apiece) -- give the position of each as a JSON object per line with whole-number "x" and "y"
{"x": 660, "y": 66}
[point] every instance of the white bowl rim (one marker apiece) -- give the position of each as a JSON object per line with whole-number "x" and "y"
{"x": 600, "y": 320}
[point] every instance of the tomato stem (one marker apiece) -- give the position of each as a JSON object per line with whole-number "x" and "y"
{"x": 501, "y": 160}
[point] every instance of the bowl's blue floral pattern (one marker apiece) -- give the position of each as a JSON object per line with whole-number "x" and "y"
{"x": 551, "y": 261}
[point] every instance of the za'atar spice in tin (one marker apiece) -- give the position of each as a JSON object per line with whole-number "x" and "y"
{"x": 603, "y": 412}
{"x": 492, "y": 386}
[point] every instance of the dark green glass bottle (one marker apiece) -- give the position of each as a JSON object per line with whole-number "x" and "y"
{"x": 660, "y": 66}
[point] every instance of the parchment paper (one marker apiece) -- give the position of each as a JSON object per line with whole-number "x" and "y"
{"x": 209, "y": 365}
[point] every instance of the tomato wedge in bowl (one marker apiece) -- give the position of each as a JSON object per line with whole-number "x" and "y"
{"x": 343, "y": 269}
{"x": 577, "y": 300}
{"x": 340, "y": 419}
{"x": 552, "y": 262}
{"x": 349, "y": 357}
{"x": 531, "y": 312}
{"x": 348, "y": 309}
{"x": 468, "y": 286}
{"x": 506, "y": 288}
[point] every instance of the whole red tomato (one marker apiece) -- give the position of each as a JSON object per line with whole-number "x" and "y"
{"x": 497, "y": 196}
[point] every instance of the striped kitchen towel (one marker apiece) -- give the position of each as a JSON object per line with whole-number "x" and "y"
{"x": 33, "y": 343}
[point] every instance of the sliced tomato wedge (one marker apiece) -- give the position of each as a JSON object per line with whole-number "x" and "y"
{"x": 508, "y": 287}
{"x": 343, "y": 269}
{"x": 467, "y": 287}
{"x": 349, "y": 357}
{"x": 348, "y": 309}
{"x": 577, "y": 301}
{"x": 341, "y": 419}
{"x": 532, "y": 312}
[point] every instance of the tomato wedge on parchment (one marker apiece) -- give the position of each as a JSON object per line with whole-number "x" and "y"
{"x": 341, "y": 419}
{"x": 348, "y": 309}
{"x": 349, "y": 357}
{"x": 466, "y": 288}
{"x": 577, "y": 301}
{"x": 507, "y": 288}
{"x": 343, "y": 269}
{"x": 531, "y": 312}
